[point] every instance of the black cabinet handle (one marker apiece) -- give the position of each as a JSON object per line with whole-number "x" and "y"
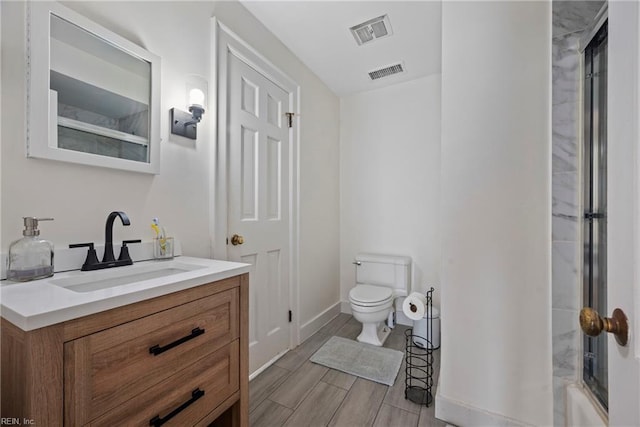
{"x": 156, "y": 349}
{"x": 157, "y": 421}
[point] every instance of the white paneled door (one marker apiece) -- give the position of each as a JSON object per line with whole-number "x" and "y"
{"x": 258, "y": 197}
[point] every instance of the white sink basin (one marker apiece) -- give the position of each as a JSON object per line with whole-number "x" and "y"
{"x": 118, "y": 276}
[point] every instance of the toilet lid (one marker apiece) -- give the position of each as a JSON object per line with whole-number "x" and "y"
{"x": 370, "y": 294}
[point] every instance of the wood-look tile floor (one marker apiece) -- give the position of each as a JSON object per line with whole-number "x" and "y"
{"x": 296, "y": 392}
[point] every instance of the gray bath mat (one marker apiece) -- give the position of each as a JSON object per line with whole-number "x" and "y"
{"x": 373, "y": 363}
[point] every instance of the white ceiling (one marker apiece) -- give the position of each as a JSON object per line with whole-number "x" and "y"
{"x": 318, "y": 33}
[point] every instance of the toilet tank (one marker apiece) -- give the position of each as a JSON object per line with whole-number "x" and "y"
{"x": 393, "y": 271}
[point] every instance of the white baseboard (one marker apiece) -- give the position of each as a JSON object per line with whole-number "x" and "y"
{"x": 345, "y": 307}
{"x": 266, "y": 365}
{"x": 314, "y": 325}
{"x": 306, "y": 330}
{"x": 462, "y": 414}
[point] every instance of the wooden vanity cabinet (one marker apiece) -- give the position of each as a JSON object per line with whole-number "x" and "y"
{"x": 180, "y": 359}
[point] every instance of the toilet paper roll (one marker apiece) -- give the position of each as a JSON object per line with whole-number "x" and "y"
{"x": 415, "y": 306}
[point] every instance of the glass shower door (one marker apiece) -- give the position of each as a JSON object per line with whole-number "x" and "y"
{"x": 595, "y": 373}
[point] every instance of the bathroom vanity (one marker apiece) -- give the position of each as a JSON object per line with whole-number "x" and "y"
{"x": 171, "y": 349}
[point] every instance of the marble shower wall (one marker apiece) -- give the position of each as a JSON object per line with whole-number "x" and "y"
{"x": 570, "y": 19}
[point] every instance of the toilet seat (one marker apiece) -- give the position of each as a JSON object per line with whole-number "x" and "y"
{"x": 370, "y": 295}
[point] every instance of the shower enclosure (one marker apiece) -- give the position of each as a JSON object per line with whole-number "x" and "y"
{"x": 595, "y": 374}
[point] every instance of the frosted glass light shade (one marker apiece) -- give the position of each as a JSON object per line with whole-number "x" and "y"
{"x": 196, "y": 98}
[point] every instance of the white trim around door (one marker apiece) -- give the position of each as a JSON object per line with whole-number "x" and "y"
{"x": 224, "y": 44}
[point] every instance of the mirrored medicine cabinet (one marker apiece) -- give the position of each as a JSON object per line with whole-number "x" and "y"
{"x": 93, "y": 97}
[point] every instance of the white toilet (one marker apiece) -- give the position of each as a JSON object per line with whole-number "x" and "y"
{"x": 380, "y": 279}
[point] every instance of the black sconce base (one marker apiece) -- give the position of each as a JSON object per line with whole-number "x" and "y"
{"x": 182, "y": 124}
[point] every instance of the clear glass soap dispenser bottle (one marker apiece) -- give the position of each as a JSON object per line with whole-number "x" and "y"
{"x": 31, "y": 257}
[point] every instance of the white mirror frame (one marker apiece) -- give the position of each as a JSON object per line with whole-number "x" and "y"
{"x": 41, "y": 126}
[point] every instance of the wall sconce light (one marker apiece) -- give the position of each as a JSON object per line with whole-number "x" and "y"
{"x": 185, "y": 124}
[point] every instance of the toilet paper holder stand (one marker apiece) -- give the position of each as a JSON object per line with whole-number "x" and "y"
{"x": 419, "y": 359}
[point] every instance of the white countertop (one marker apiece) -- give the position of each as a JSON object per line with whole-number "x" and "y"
{"x": 45, "y": 302}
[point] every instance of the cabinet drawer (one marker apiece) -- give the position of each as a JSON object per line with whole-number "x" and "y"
{"x": 215, "y": 377}
{"x": 107, "y": 369}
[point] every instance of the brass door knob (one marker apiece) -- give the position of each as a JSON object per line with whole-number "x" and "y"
{"x": 236, "y": 240}
{"x": 593, "y": 324}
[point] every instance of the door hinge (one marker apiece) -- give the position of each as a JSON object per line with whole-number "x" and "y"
{"x": 290, "y": 316}
{"x": 290, "y": 118}
{"x": 588, "y": 76}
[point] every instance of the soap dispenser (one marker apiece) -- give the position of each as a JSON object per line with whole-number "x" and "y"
{"x": 30, "y": 258}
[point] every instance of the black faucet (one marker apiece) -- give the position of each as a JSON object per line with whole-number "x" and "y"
{"x": 108, "y": 234}
{"x": 108, "y": 260}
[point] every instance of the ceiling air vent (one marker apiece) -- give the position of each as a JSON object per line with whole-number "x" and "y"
{"x": 373, "y": 29}
{"x": 386, "y": 71}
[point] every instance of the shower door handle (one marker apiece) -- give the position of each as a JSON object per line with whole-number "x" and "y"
{"x": 593, "y": 324}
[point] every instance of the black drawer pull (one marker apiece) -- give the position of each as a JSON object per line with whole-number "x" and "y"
{"x": 157, "y": 421}
{"x": 156, "y": 349}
